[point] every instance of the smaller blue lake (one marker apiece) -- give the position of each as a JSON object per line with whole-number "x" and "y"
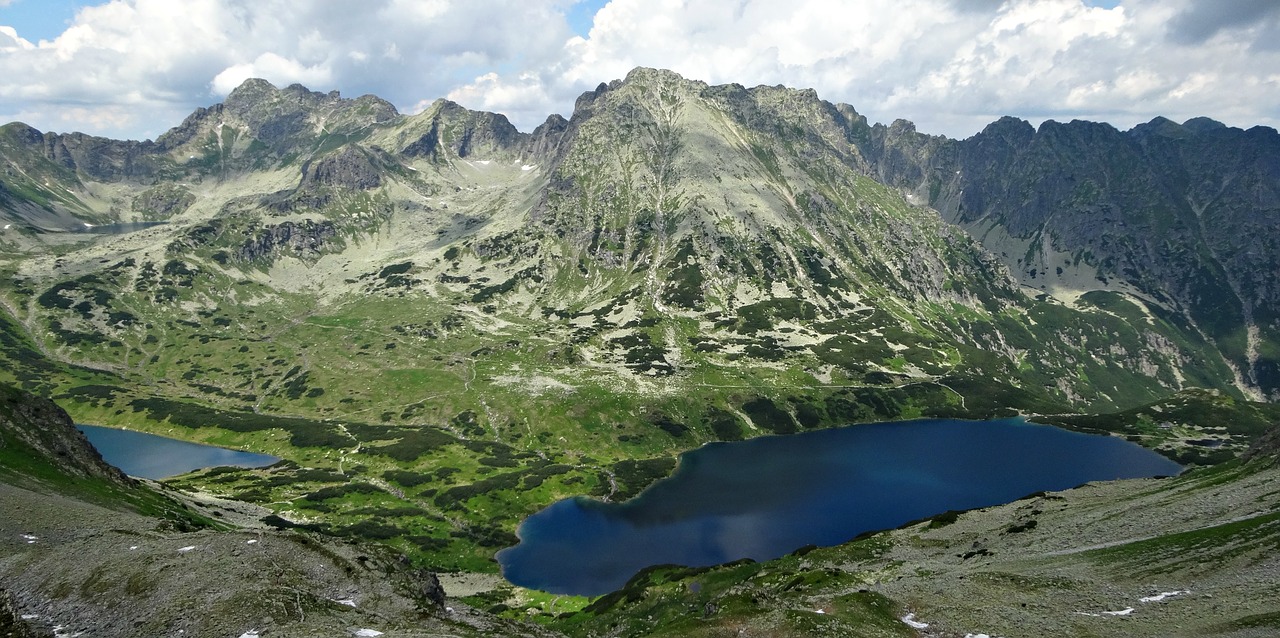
{"x": 766, "y": 497}
{"x": 156, "y": 457}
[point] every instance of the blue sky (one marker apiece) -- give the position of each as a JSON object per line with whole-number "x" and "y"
{"x": 38, "y": 20}
{"x": 581, "y": 14}
{"x": 950, "y": 66}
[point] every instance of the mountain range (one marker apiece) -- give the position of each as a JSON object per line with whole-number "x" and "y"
{"x": 448, "y": 323}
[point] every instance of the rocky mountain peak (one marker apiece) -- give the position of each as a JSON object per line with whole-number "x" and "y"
{"x": 293, "y": 116}
{"x": 1161, "y": 126}
{"x": 21, "y": 133}
{"x": 1203, "y": 125}
{"x": 1011, "y": 130}
{"x": 447, "y": 124}
{"x": 251, "y": 89}
{"x": 645, "y": 75}
{"x": 584, "y": 101}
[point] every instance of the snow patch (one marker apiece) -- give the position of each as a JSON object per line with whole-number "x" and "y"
{"x": 88, "y": 225}
{"x": 30, "y": 616}
{"x": 183, "y": 550}
{"x": 368, "y": 633}
{"x": 911, "y": 621}
{"x": 30, "y": 538}
{"x": 251, "y": 542}
{"x": 6, "y": 226}
{"x": 346, "y": 601}
{"x": 524, "y": 167}
{"x": 1123, "y": 612}
{"x": 133, "y": 547}
{"x": 1161, "y": 596}
{"x": 252, "y": 633}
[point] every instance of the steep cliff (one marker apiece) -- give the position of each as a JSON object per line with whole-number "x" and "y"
{"x": 1178, "y": 217}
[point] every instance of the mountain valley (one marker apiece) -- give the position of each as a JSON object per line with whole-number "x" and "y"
{"x": 443, "y": 324}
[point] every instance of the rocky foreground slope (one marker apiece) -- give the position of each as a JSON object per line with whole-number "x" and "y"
{"x": 86, "y": 551}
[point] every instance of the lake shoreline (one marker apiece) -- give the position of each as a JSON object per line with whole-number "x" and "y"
{"x": 155, "y": 457}
{"x": 769, "y": 496}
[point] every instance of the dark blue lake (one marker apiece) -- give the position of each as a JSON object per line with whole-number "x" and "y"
{"x": 766, "y": 497}
{"x": 157, "y": 457}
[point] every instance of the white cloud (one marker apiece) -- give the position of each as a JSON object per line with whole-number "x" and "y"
{"x": 270, "y": 65}
{"x": 100, "y": 117}
{"x": 10, "y": 41}
{"x": 151, "y": 55}
{"x": 949, "y": 65}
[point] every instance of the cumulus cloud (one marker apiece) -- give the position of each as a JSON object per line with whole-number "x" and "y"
{"x": 11, "y": 41}
{"x": 949, "y": 65}
{"x": 279, "y": 69}
{"x": 148, "y": 55}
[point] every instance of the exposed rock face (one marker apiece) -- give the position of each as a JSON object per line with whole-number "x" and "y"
{"x": 98, "y": 157}
{"x": 275, "y": 117}
{"x": 184, "y": 133}
{"x": 349, "y": 168}
{"x": 163, "y": 201}
{"x": 547, "y": 136}
{"x": 11, "y": 623}
{"x": 290, "y": 118}
{"x": 1266, "y": 447}
{"x": 45, "y": 428}
{"x": 464, "y": 132}
{"x": 1179, "y": 212}
{"x": 428, "y": 588}
{"x": 298, "y": 239}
